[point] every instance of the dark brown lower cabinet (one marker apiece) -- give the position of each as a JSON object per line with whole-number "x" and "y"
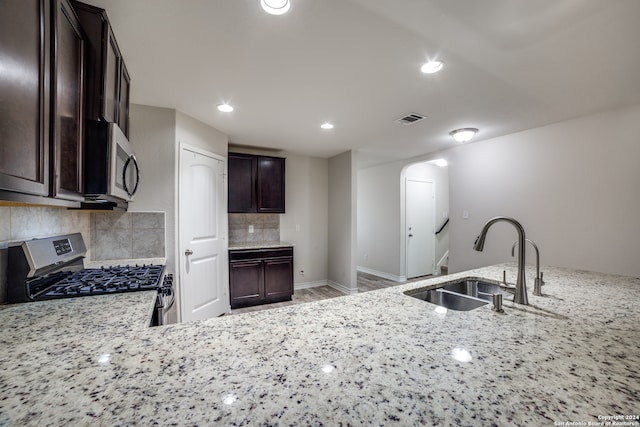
{"x": 260, "y": 276}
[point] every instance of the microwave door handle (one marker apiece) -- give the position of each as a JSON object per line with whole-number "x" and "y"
{"x": 130, "y": 161}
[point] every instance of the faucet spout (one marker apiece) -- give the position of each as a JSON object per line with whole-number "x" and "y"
{"x": 521, "y": 287}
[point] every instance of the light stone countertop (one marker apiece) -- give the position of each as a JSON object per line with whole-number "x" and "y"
{"x": 259, "y": 245}
{"x": 376, "y": 358}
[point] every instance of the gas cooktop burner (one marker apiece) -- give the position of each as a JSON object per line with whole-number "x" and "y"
{"x": 106, "y": 280}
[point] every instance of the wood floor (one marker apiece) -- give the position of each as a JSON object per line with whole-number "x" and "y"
{"x": 366, "y": 283}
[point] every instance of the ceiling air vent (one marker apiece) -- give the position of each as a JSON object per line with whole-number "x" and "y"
{"x": 410, "y": 119}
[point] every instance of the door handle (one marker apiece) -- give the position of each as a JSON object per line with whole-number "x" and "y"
{"x": 188, "y": 252}
{"x": 410, "y": 235}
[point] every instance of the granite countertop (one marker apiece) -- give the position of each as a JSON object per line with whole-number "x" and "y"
{"x": 376, "y": 358}
{"x": 259, "y": 245}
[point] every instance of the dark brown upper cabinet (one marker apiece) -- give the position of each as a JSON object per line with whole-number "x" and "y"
{"x": 270, "y": 179}
{"x": 41, "y": 101}
{"x": 25, "y": 95}
{"x": 107, "y": 80}
{"x": 242, "y": 182}
{"x": 256, "y": 184}
{"x": 68, "y": 103}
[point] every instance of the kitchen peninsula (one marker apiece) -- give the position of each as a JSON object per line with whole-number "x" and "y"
{"x": 376, "y": 358}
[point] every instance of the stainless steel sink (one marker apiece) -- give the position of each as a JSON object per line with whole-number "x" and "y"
{"x": 450, "y": 300}
{"x": 462, "y": 295}
{"x": 475, "y": 288}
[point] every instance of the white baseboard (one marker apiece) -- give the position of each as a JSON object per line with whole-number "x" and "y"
{"x": 382, "y": 274}
{"x": 307, "y": 285}
{"x": 342, "y": 288}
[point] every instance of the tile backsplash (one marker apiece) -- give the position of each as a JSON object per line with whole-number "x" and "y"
{"x": 107, "y": 235}
{"x": 266, "y": 228}
{"x": 24, "y": 223}
{"x": 128, "y": 235}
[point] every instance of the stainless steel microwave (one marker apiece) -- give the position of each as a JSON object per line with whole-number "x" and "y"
{"x": 111, "y": 172}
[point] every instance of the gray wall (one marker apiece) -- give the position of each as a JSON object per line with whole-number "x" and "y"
{"x": 381, "y": 216}
{"x": 156, "y": 134}
{"x": 342, "y": 222}
{"x": 305, "y": 224}
{"x": 574, "y": 186}
{"x": 154, "y": 141}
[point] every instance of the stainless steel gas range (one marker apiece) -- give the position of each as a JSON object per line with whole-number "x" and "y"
{"x": 53, "y": 268}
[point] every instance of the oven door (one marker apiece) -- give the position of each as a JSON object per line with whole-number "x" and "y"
{"x": 164, "y": 301}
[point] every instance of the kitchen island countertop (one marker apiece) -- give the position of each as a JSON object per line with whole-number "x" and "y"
{"x": 378, "y": 358}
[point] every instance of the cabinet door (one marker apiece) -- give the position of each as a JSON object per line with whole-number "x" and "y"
{"x": 68, "y": 106}
{"x": 96, "y": 28}
{"x": 123, "y": 100}
{"x": 278, "y": 278}
{"x": 24, "y": 96}
{"x": 245, "y": 283}
{"x": 242, "y": 179}
{"x": 111, "y": 79}
{"x": 270, "y": 184}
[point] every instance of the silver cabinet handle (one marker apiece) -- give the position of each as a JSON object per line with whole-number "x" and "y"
{"x": 188, "y": 252}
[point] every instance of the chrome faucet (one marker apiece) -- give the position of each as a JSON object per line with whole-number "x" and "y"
{"x": 538, "y": 282}
{"x": 521, "y": 287}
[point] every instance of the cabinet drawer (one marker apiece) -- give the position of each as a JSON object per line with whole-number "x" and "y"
{"x": 250, "y": 254}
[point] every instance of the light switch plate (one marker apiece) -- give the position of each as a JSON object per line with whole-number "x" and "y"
{"x": 251, "y": 229}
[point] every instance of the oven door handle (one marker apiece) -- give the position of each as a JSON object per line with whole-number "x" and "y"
{"x": 169, "y": 291}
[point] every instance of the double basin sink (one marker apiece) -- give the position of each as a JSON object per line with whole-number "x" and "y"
{"x": 462, "y": 295}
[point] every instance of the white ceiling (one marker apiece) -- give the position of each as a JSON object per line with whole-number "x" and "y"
{"x": 510, "y": 65}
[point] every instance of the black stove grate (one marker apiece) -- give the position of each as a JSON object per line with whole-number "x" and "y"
{"x": 106, "y": 281}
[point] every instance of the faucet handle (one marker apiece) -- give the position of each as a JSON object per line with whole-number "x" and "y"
{"x": 504, "y": 278}
{"x": 537, "y": 286}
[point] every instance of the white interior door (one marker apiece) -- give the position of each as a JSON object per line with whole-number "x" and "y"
{"x": 420, "y": 222}
{"x": 202, "y": 248}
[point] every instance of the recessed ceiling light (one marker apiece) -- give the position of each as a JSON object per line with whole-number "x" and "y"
{"x": 432, "y": 67}
{"x": 326, "y": 126}
{"x": 225, "y": 108}
{"x": 276, "y": 7}
{"x": 464, "y": 134}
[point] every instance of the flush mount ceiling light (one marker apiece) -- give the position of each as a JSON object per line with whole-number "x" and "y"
{"x": 432, "y": 67}
{"x": 326, "y": 126}
{"x": 225, "y": 108}
{"x": 464, "y": 134}
{"x": 276, "y": 7}
{"x": 439, "y": 162}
